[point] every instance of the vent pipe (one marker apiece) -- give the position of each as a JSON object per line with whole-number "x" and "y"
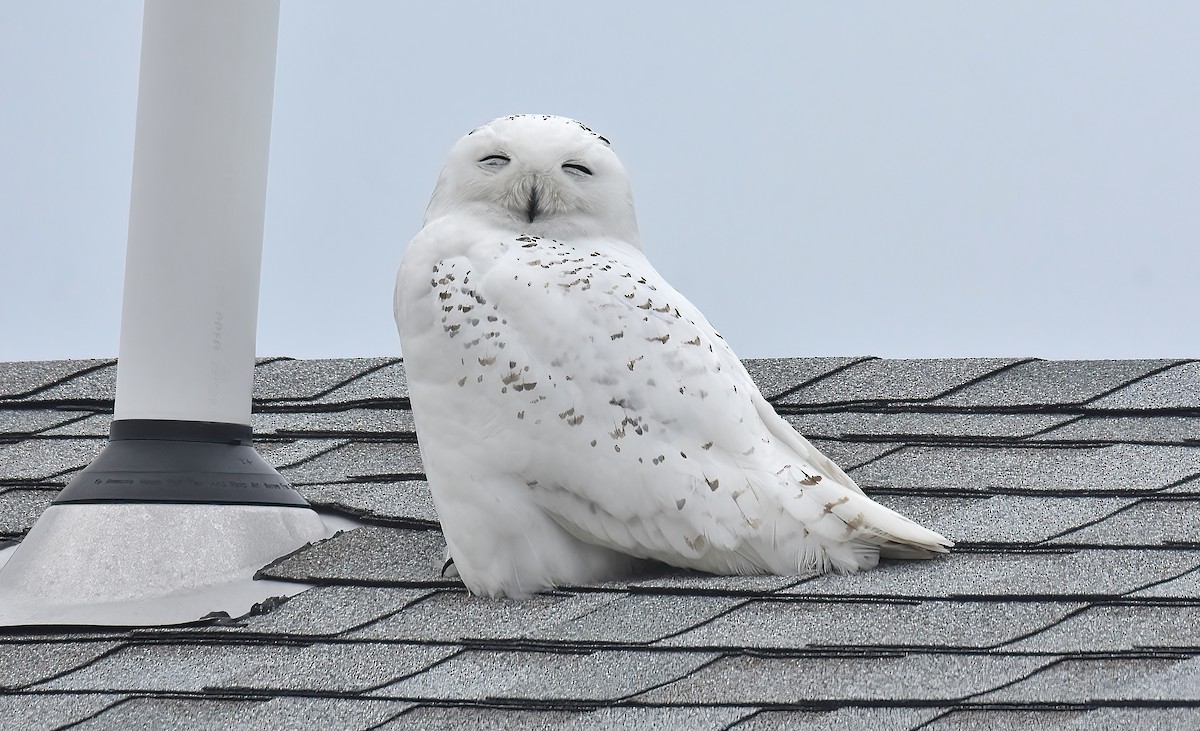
{"x": 175, "y": 515}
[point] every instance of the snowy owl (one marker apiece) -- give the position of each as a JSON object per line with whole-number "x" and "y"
{"x": 576, "y": 415}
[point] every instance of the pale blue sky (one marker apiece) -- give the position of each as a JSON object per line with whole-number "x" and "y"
{"x": 917, "y": 179}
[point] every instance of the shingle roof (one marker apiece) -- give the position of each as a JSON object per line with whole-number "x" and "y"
{"x": 1072, "y": 599}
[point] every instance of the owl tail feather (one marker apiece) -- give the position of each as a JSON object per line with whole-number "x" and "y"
{"x": 851, "y": 531}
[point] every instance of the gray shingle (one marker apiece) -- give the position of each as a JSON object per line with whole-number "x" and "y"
{"x": 407, "y": 499}
{"x": 356, "y": 460}
{"x": 95, "y": 426}
{"x": 775, "y": 376}
{"x": 25, "y": 377}
{"x": 358, "y": 630}
{"x": 305, "y": 380}
{"x": 1117, "y": 469}
{"x": 31, "y": 421}
{"x": 278, "y": 714}
{"x": 20, "y": 508}
{"x": 842, "y": 719}
{"x": 353, "y": 422}
{"x": 1088, "y": 572}
{"x": 1052, "y": 383}
{"x": 796, "y": 680}
{"x": 638, "y": 618}
{"x": 385, "y": 384}
{"x": 597, "y": 676}
{"x": 1020, "y": 519}
{"x": 1185, "y": 586}
{"x": 1159, "y": 719}
{"x": 451, "y": 616}
{"x": 370, "y": 553}
{"x": 1006, "y": 720}
{"x": 433, "y": 718}
{"x": 28, "y": 663}
{"x": 194, "y": 667}
{"x": 851, "y": 455}
{"x": 330, "y": 610}
{"x": 96, "y": 385}
{"x": 801, "y": 624}
{"x": 37, "y": 459}
{"x": 894, "y": 426}
{"x": 1148, "y": 523}
{"x": 1113, "y": 628}
{"x": 293, "y": 454}
{"x": 51, "y": 710}
{"x": 1176, "y": 388}
{"x": 1107, "y": 679}
{"x": 677, "y": 582}
{"x": 660, "y": 719}
{"x": 604, "y": 719}
{"x": 1128, "y": 429}
{"x": 895, "y": 380}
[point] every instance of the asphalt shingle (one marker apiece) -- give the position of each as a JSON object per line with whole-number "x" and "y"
{"x": 29, "y": 663}
{"x": 1175, "y": 388}
{"x": 352, "y": 423}
{"x": 1006, "y": 720}
{"x": 798, "y": 680}
{"x": 1052, "y": 383}
{"x": 895, "y": 380}
{"x": 593, "y": 676}
{"x": 1183, "y": 586}
{"x": 1085, "y": 680}
{"x": 20, "y": 508}
{"x": 776, "y": 624}
{"x": 841, "y": 719}
{"x": 1128, "y": 429}
{"x": 1147, "y": 523}
{"x": 92, "y": 386}
{"x": 355, "y": 460}
{"x": 1076, "y": 580}
{"x": 921, "y": 425}
{"x": 15, "y": 424}
{"x": 405, "y": 500}
{"x": 1117, "y": 628}
{"x": 603, "y": 719}
{"x": 1014, "y": 519}
{"x": 368, "y": 554}
{"x": 37, "y": 460}
{"x": 776, "y": 376}
{"x": 1122, "y": 469}
{"x": 387, "y": 385}
{"x": 25, "y": 378}
{"x": 329, "y": 611}
{"x": 306, "y": 380}
{"x": 1082, "y": 573}
{"x": 26, "y": 711}
{"x": 195, "y": 667}
{"x": 279, "y": 714}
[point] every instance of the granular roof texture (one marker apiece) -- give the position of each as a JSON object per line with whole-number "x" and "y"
{"x": 1072, "y": 600}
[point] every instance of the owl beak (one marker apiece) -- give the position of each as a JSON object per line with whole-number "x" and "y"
{"x": 531, "y": 210}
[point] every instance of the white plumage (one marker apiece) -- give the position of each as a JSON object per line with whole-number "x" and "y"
{"x": 575, "y": 413}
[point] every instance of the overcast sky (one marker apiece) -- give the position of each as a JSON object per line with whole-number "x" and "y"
{"x": 917, "y": 179}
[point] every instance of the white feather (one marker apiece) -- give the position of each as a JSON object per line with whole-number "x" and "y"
{"x": 575, "y": 413}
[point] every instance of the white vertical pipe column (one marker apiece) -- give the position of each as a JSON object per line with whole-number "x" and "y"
{"x": 196, "y": 215}
{"x": 175, "y": 516}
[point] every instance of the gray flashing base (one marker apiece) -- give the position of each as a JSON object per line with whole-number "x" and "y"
{"x": 163, "y": 528}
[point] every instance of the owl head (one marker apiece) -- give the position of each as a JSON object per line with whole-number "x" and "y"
{"x": 537, "y": 174}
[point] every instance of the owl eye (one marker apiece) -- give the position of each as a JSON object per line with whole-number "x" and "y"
{"x": 575, "y": 168}
{"x": 495, "y": 161}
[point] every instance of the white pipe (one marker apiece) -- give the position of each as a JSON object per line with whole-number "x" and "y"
{"x": 196, "y": 213}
